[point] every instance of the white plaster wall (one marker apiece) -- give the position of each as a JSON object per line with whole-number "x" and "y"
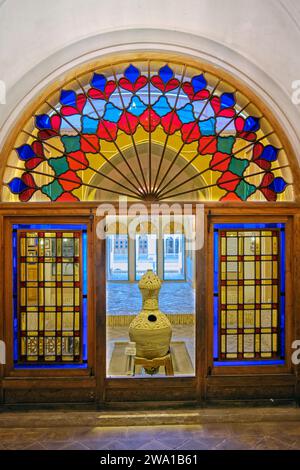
{"x": 258, "y": 40}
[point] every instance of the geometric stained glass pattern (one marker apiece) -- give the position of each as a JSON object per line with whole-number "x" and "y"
{"x": 250, "y": 294}
{"x": 150, "y": 129}
{"x": 49, "y": 296}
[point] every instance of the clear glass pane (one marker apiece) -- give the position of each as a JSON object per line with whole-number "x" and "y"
{"x": 68, "y": 247}
{"x": 174, "y": 268}
{"x": 145, "y": 254}
{"x": 117, "y": 257}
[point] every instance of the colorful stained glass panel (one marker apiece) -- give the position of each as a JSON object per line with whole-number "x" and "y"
{"x": 148, "y": 128}
{"x": 50, "y": 302}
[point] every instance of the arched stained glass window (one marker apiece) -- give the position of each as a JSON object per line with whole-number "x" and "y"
{"x": 148, "y": 130}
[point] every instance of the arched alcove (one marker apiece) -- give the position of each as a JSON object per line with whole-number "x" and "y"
{"x": 148, "y": 126}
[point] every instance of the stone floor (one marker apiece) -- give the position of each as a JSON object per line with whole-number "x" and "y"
{"x": 247, "y": 428}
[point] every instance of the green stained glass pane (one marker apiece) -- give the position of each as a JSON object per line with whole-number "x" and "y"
{"x": 59, "y": 165}
{"x": 238, "y": 166}
{"x": 244, "y": 190}
{"x": 71, "y": 143}
{"x": 52, "y": 190}
{"x": 225, "y": 144}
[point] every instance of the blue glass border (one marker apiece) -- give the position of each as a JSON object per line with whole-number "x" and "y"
{"x": 82, "y": 227}
{"x": 250, "y": 226}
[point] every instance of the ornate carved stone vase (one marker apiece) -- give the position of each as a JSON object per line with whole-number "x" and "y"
{"x": 151, "y": 329}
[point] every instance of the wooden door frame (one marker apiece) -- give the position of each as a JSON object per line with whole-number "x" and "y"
{"x": 128, "y": 389}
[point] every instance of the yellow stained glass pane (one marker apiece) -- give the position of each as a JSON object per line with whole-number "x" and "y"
{"x": 23, "y": 246}
{"x": 68, "y": 321}
{"x": 32, "y": 321}
{"x": 77, "y": 321}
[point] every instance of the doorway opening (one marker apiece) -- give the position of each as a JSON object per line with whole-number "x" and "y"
{"x": 165, "y": 249}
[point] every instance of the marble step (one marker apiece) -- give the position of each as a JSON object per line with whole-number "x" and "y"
{"x": 106, "y": 418}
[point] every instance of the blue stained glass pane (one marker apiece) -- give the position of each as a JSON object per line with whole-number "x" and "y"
{"x": 202, "y": 113}
{"x": 186, "y": 114}
{"x": 165, "y": 73}
{"x": 92, "y": 105}
{"x": 216, "y": 293}
{"x": 207, "y": 127}
{"x": 173, "y": 98}
{"x": 227, "y": 100}
{"x": 251, "y": 363}
{"x": 50, "y": 227}
{"x": 98, "y": 81}
{"x": 16, "y": 185}
{"x": 52, "y": 366}
{"x": 282, "y": 254}
{"x": 121, "y": 103}
{"x": 112, "y": 113}
{"x": 248, "y": 226}
{"x": 216, "y": 328}
{"x": 25, "y": 152}
{"x": 89, "y": 125}
{"x": 251, "y": 124}
{"x": 216, "y": 262}
{"x": 278, "y": 185}
{"x": 132, "y": 73}
{"x": 136, "y": 106}
{"x": 68, "y": 97}
{"x": 199, "y": 82}
{"x": 282, "y": 290}
{"x": 84, "y": 292}
{"x": 74, "y": 120}
{"x": 42, "y": 121}
{"x": 225, "y": 124}
{"x": 269, "y": 153}
{"x": 15, "y": 289}
{"x": 162, "y": 107}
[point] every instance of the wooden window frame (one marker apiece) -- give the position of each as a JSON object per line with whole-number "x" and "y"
{"x": 9, "y": 369}
{"x": 251, "y": 369}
